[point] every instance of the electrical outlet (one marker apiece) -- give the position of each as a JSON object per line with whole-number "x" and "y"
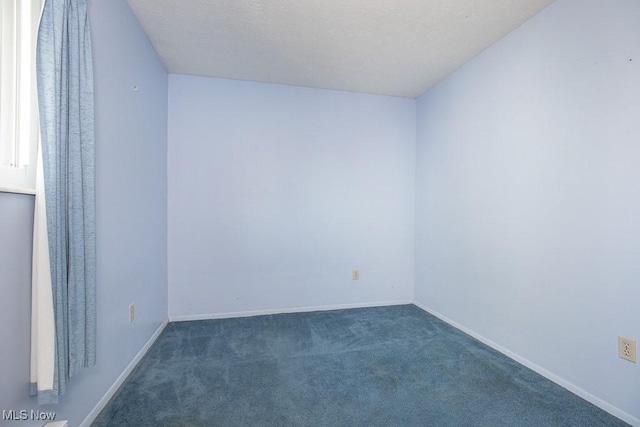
{"x": 132, "y": 312}
{"x": 355, "y": 274}
{"x": 627, "y": 348}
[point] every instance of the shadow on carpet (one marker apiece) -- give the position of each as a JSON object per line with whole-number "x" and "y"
{"x": 383, "y": 366}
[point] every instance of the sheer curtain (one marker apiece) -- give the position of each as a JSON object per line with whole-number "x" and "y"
{"x": 64, "y": 288}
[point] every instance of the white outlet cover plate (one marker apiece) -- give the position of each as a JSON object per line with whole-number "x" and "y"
{"x": 627, "y": 349}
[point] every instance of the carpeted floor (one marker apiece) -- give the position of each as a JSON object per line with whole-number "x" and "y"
{"x": 384, "y": 366}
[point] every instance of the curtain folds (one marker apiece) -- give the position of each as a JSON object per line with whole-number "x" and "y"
{"x": 64, "y": 333}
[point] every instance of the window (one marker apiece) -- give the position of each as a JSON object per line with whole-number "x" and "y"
{"x": 18, "y": 106}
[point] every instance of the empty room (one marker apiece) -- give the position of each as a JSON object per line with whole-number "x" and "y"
{"x": 245, "y": 213}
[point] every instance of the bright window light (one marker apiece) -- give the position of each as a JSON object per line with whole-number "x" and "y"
{"x": 19, "y": 131}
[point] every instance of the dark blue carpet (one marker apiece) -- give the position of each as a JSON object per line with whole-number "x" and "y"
{"x": 384, "y": 366}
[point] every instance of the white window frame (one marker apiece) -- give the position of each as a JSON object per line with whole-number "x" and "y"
{"x": 19, "y": 129}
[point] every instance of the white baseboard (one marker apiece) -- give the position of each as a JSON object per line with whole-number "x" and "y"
{"x": 626, "y": 417}
{"x": 123, "y": 376}
{"x": 208, "y": 316}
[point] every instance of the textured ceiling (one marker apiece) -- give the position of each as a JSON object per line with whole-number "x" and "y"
{"x": 393, "y": 47}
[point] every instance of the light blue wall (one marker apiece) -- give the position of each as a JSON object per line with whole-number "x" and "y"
{"x": 528, "y": 194}
{"x": 16, "y": 224}
{"x": 277, "y": 192}
{"x": 131, "y": 220}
